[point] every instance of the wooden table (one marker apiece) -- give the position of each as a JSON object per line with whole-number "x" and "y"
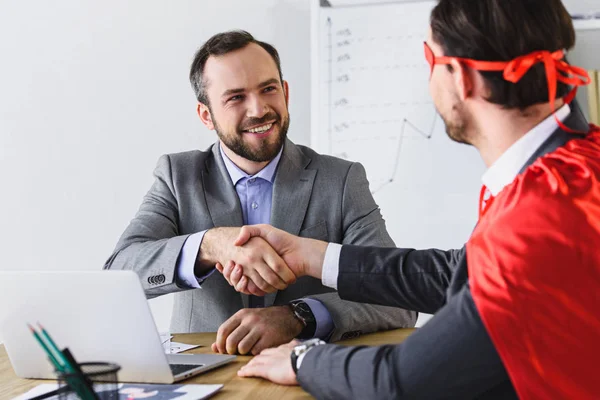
{"x": 234, "y": 387}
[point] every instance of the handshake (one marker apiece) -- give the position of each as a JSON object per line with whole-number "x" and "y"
{"x": 261, "y": 259}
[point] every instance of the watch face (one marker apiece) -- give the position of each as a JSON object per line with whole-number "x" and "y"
{"x": 303, "y": 311}
{"x": 303, "y": 307}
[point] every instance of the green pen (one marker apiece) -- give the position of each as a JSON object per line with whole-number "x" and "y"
{"x": 46, "y": 349}
{"x": 77, "y": 380}
{"x": 58, "y": 355}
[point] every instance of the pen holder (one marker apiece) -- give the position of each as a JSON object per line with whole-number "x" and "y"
{"x": 100, "y": 376}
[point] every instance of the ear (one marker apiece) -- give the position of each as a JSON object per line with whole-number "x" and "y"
{"x": 286, "y": 92}
{"x": 205, "y": 116}
{"x": 462, "y": 80}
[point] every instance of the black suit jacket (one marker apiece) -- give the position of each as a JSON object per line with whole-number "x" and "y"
{"x": 452, "y": 356}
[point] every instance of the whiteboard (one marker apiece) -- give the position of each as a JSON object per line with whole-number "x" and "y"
{"x": 371, "y": 104}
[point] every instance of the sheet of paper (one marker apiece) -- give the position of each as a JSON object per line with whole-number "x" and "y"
{"x": 138, "y": 390}
{"x": 174, "y": 347}
{"x": 164, "y": 336}
{"x": 177, "y": 347}
{"x": 37, "y": 391}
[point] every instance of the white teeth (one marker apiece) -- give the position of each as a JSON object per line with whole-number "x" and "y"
{"x": 260, "y": 129}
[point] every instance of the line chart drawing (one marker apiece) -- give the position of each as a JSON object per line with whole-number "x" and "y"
{"x": 343, "y": 94}
{"x": 426, "y": 135}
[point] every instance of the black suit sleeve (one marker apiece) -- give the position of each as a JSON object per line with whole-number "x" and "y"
{"x": 452, "y": 356}
{"x": 417, "y": 280}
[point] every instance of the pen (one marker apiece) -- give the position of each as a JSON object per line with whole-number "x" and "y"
{"x": 70, "y": 370}
{"x": 58, "y": 355}
{"x": 83, "y": 385}
{"x": 53, "y": 359}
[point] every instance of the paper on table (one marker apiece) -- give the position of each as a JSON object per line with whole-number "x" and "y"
{"x": 37, "y": 391}
{"x": 127, "y": 390}
{"x": 177, "y": 347}
{"x": 174, "y": 347}
{"x": 165, "y": 336}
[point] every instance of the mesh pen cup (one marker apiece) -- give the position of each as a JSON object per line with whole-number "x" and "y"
{"x": 101, "y": 377}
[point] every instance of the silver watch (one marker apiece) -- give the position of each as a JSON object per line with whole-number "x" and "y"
{"x": 301, "y": 349}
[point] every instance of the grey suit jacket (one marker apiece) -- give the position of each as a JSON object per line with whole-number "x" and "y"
{"x": 314, "y": 196}
{"x": 451, "y": 357}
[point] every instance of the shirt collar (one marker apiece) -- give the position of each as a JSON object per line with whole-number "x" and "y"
{"x": 236, "y": 174}
{"x": 507, "y": 167}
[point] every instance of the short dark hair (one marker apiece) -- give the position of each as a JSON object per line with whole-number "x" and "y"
{"x": 218, "y": 45}
{"x": 502, "y": 30}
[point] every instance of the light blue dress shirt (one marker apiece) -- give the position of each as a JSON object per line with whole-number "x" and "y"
{"x": 256, "y": 196}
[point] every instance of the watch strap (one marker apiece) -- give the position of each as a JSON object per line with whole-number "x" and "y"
{"x": 294, "y": 361}
{"x": 300, "y": 351}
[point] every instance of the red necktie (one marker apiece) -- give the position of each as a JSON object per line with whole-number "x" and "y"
{"x": 485, "y": 200}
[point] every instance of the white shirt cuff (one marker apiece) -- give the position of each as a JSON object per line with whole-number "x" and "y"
{"x": 187, "y": 261}
{"x": 331, "y": 265}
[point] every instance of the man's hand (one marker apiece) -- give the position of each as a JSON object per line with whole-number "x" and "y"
{"x": 251, "y": 330}
{"x": 268, "y": 271}
{"x": 303, "y": 256}
{"x": 234, "y": 274}
{"x": 273, "y": 364}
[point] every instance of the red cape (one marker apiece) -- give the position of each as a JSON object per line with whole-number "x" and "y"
{"x": 534, "y": 272}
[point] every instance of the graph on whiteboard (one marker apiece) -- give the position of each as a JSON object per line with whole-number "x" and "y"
{"x": 370, "y": 116}
{"x": 371, "y": 104}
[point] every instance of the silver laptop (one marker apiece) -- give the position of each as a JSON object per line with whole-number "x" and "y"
{"x": 99, "y": 316}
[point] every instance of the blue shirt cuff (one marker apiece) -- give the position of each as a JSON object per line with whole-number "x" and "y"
{"x": 322, "y": 317}
{"x": 184, "y": 271}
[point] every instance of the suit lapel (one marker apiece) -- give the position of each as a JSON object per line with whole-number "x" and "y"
{"x": 222, "y": 200}
{"x": 292, "y": 190}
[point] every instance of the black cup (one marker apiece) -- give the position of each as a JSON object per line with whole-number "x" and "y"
{"x": 101, "y": 377}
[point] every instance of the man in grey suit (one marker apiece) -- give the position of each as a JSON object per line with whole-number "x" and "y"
{"x": 190, "y": 217}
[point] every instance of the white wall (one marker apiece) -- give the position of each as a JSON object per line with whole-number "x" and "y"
{"x": 91, "y": 94}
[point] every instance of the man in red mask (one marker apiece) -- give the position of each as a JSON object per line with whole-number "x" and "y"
{"x": 516, "y": 309}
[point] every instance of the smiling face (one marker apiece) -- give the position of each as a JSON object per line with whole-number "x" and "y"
{"x": 247, "y": 103}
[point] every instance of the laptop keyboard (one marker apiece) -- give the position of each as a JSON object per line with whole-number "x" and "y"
{"x": 177, "y": 369}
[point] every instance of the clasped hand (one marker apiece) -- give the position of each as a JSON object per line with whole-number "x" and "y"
{"x": 270, "y": 259}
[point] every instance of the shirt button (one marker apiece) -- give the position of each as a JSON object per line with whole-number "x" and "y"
{"x": 252, "y": 180}
{"x": 254, "y": 205}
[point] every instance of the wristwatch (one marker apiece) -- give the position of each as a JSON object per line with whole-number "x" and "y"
{"x": 301, "y": 349}
{"x": 303, "y": 313}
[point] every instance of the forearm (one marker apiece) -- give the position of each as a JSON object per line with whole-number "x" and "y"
{"x": 152, "y": 243}
{"x": 406, "y": 278}
{"x": 452, "y": 356}
{"x": 154, "y": 261}
{"x": 313, "y": 254}
{"x": 352, "y": 319}
{"x": 399, "y": 276}
{"x": 210, "y": 250}
{"x": 342, "y": 372}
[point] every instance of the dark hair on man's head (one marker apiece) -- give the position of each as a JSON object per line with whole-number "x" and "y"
{"x": 502, "y": 30}
{"x": 218, "y": 45}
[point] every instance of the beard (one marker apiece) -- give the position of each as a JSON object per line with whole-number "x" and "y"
{"x": 267, "y": 150}
{"x": 457, "y": 127}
